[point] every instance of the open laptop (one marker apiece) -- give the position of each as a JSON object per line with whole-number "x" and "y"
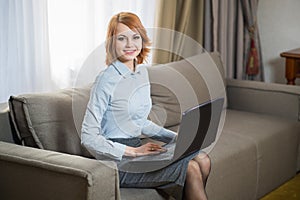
{"x": 198, "y": 129}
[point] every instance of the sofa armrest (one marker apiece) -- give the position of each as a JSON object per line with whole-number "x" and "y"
{"x": 6, "y": 133}
{"x": 266, "y": 98}
{"x": 29, "y": 173}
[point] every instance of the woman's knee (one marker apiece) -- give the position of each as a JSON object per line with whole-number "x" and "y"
{"x": 193, "y": 169}
{"x": 204, "y": 160}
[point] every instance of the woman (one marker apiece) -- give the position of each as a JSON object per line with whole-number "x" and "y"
{"x": 117, "y": 112}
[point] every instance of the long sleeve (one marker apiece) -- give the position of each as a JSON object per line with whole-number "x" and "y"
{"x": 154, "y": 131}
{"x": 91, "y": 134}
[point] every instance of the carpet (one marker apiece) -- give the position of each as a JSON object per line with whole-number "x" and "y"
{"x": 287, "y": 191}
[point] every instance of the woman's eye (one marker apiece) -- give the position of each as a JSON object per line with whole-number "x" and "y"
{"x": 137, "y": 37}
{"x": 120, "y": 38}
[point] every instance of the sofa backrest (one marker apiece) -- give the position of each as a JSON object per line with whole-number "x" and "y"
{"x": 53, "y": 120}
{"x": 179, "y": 86}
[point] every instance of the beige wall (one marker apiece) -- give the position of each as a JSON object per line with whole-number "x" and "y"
{"x": 279, "y": 24}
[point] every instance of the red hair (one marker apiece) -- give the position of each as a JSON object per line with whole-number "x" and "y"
{"x": 134, "y": 23}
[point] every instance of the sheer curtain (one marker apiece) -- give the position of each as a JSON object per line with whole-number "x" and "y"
{"x": 43, "y": 44}
{"x": 78, "y": 27}
{"x": 24, "y": 55}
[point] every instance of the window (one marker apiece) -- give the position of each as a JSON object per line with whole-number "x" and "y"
{"x": 77, "y": 27}
{"x": 45, "y": 43}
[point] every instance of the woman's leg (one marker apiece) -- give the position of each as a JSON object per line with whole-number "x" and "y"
{"x": 194, "y": 184}
{"x": 204, "y": 163}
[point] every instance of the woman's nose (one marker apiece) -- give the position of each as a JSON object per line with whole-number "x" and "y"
{"x": 129, "y": 42}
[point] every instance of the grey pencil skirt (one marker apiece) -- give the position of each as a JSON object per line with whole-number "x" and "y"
{"x": 168, "y": 180}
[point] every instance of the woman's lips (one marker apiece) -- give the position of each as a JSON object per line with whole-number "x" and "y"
{"x": 129, "y": 52}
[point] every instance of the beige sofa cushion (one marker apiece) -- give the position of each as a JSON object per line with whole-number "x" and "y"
{"x": 51, "y": 120}
{"x": 178, "y": 86}
{"x": 276, "y": 140}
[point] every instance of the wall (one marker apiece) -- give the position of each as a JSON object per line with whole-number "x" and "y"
{"x": 279, "y": 26}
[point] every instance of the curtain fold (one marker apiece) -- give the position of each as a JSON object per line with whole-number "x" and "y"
{"x": 179, "y": 22}
{"x": 24, "y": 49}
{"x": 228, "y": 30}
{"x": 208, "y": 26}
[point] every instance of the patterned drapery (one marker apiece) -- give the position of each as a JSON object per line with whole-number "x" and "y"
{"x": 229, "y": 27}
{"x": 252, "y": 51}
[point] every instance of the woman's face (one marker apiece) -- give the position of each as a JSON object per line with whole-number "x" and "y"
{"x": 128, "y": 43}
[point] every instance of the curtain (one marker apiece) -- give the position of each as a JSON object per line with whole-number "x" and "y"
{"x": 24, "y": 47}
{"x": 227, "y": 35}
{"x": 252, "y": 51}
{"x": 208, "y": 26}
{"x": 233, "y": 21}
{"x": 45, "y": 44}
{"x": 77, "y": 35}
{"x": 180, "y": 25}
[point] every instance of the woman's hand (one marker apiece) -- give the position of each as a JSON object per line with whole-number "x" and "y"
{"x": 146, "y": 149}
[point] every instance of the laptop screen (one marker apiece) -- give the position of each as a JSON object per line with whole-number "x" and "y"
{"x": 198, "y": 127}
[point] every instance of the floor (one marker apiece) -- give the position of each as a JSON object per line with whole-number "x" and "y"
{"x": 288, "y": 191}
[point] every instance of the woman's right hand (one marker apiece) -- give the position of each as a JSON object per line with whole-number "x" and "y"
{"x": 146, "y": 149}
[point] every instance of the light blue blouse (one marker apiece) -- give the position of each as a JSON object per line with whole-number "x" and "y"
{"x": 119, "y": 105}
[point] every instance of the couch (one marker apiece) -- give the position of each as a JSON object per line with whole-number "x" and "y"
{"x": 257, "y": 148}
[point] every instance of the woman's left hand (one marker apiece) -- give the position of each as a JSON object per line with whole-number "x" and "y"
{"x": 149, "y": 148}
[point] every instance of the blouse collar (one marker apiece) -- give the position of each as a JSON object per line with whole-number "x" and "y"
{"x": 123, "y": 69}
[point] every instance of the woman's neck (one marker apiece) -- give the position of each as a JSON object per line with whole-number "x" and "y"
{"x": 131, "y": 65}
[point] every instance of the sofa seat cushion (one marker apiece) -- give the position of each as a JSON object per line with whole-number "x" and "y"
{"x": 276, "y": 140}
{"x": 138, "y": 193}
{"x": 233, "y": 168}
